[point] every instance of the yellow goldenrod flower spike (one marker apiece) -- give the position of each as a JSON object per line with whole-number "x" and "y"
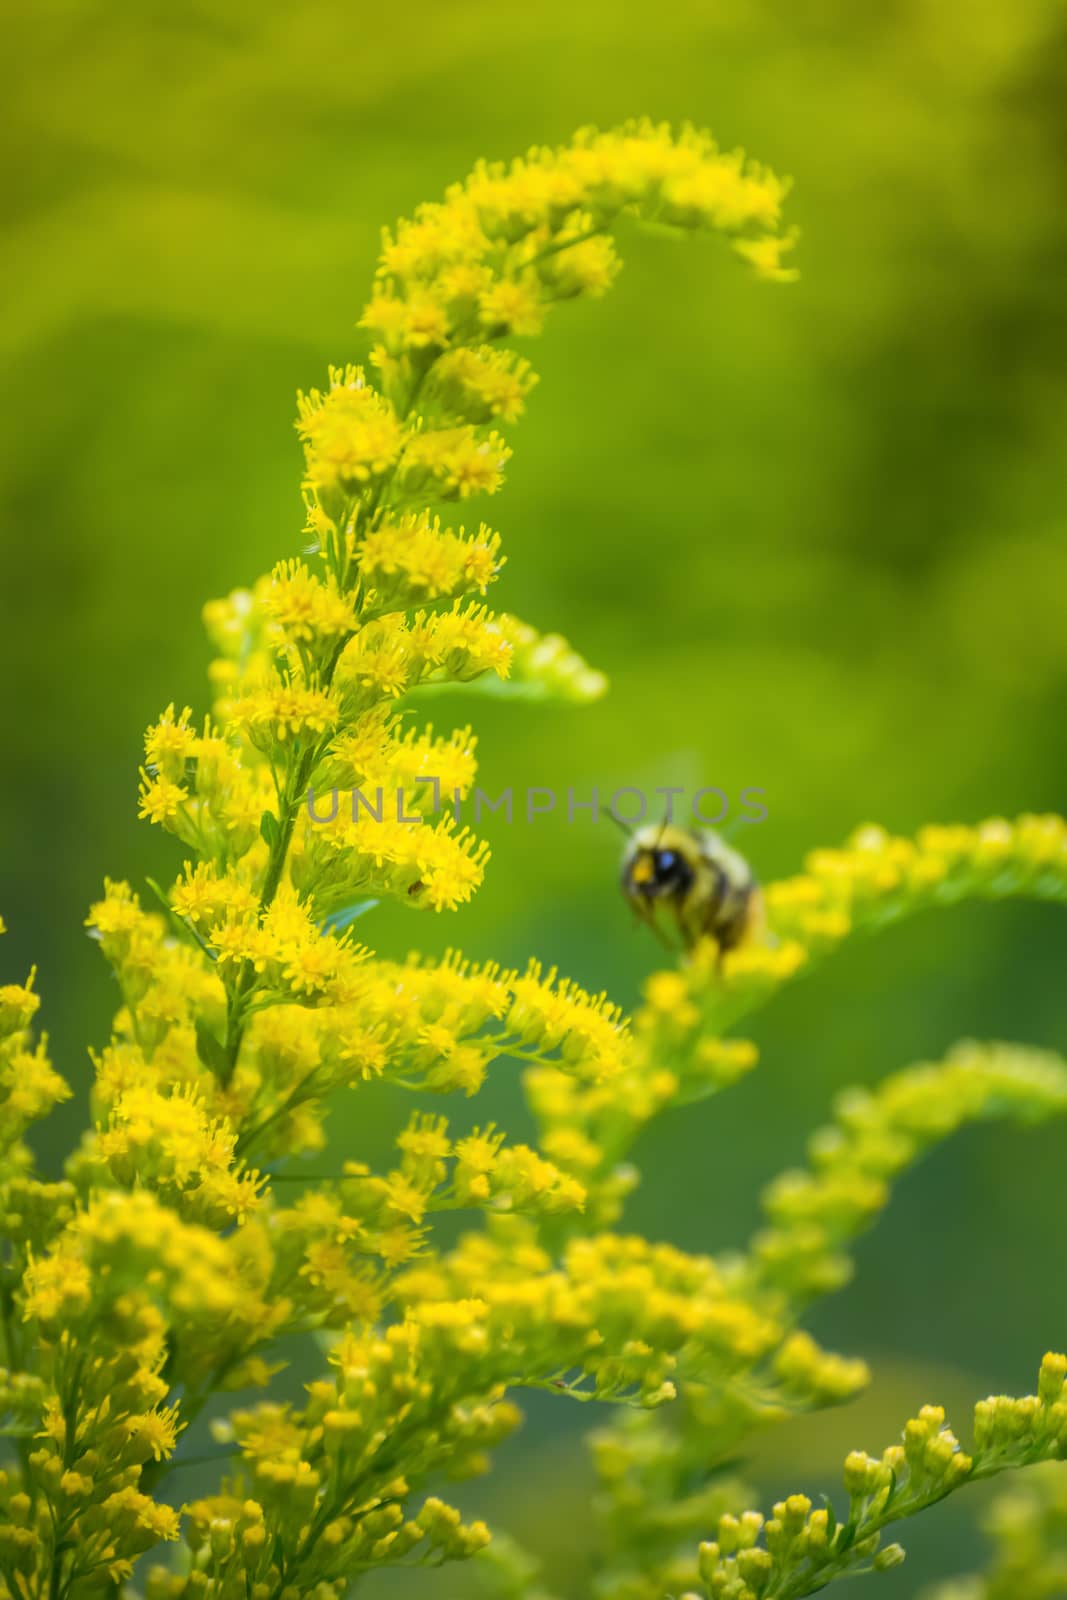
{"x": 315, "y": 660}
{"x": 173, "y": 1264}
{"x": 29, "y": 1084}
{"x": 878, "y": 1133}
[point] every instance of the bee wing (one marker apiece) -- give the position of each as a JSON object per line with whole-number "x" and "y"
{"x": 728, "y": 862}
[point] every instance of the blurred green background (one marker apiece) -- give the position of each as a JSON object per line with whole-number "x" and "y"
{"x": 815, "y": 534}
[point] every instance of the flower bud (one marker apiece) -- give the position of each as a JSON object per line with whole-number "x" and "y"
{"x": 859, "y": 1473}
{"x": 708, "y": 1562}
{"x": 756, "y": 1567}
{"x": 1051, "y": 1379}
{"x": 220, "y": 1536}
{"x": 797, "y": 1508}
{"x": 892, "y": 1556}
{"x": 254, "y": 1538}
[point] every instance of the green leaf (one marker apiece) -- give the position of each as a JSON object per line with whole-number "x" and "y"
{"x": 161, "y": 897}
{"x": 847, "y": 1539}
{"x": 210, "y": 1049}
{"x": 269, "y": 829}
{"x": 544, "y": 667}
{"x": 337, "y": 921}
{"x": 487, "y": 687}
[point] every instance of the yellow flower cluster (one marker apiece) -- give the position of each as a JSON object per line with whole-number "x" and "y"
{"x": 508, "y": 244}
{"x": 452, "y": 463}
{"x": 114, "y": 1245}
{"x": 310, "y": 658}
{"x": 29, "y": 1084}
{"x": 351, "y": 434}
{"x": 96, "y": 1430}
{"x": 280, "y": 713}
{"x": 124, "y": 1293}
{"x": 344, "y": 1241}
{"x": 414, "y": 560}
{"x": 392, "y": 656}
{"x": 876, "y": 879}
{"x": 285, "y": 948}
{"x": 877, "y": 1134}
{"x": 240, "y": 1545}
{"x": 439, "y": 865}
{"x": 438, "y": 1174}
{"x": 294, "y": 1498}
{"x": 481, "y": 383}
{"x": 538, "y": 666}
{"x": 170, "y": 1143}
{"x": 308, "y": 611}
{"x": 436, "y": 1026}
{"x": 173, "y": 986}
{"x": 325, "y": 1485}
{"x": 196, "y": 786}
{"x": 382, "y": 755}
{"x": 614, "y": 1320}
{"x": 164, "y": 1091}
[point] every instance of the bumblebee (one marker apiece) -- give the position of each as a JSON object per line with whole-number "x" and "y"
{"x": 693, "y": 875}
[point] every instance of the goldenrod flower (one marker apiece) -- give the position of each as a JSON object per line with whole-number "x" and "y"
{"x": 350, "y": 433}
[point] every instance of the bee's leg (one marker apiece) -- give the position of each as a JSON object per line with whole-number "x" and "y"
{"x": 649, "y": 919}
{"x": 693, "y": 925}
{"x": 724, "y": 935}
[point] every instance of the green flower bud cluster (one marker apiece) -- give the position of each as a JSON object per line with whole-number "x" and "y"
{"x": 877, "y": 1135}
{"x": 800, "y": 1549}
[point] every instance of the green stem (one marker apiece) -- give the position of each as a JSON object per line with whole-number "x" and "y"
{"x": 12, "y": 1357}
{"x": 295, "y": 1098}
{"x": 299, "y": 779}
